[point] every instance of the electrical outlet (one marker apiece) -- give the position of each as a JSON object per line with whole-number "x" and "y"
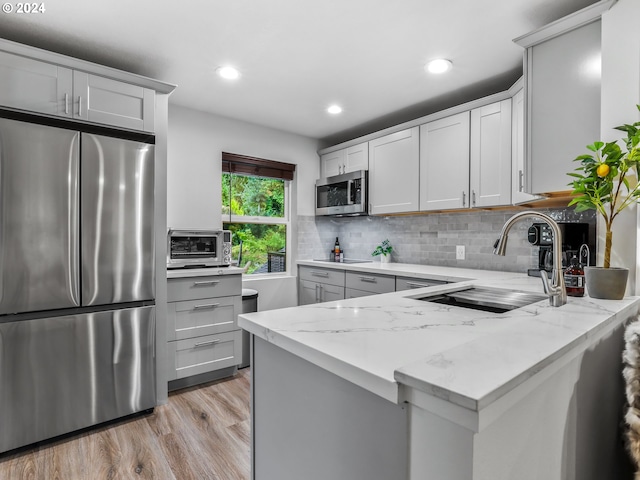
{"x": 459, "y": 252}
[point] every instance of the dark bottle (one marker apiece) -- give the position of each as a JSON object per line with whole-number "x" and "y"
{"x": 336, "y": 251}
{"x": 574, "y": 278}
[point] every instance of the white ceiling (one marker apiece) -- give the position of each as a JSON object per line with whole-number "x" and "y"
{"x": 297, "y": 57}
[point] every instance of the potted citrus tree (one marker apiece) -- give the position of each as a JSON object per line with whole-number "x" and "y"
{"x": 607, "y": 181}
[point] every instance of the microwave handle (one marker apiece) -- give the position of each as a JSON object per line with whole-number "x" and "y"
{"x": 349, "y": 200}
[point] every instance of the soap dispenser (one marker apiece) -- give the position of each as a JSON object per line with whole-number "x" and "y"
{"x": 574, "y": 278}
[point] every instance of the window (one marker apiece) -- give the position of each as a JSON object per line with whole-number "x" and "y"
{"x": 255, "y": 207}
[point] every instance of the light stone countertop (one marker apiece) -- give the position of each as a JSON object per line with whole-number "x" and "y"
{"x": 202, "y": 272}
{"x": 467, "y": 357}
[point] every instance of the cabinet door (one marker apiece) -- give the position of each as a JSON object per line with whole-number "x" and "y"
{"x": 329, "y": 293}
{"x": 331, "y": 163}
{"x": 490, "y": 167}
{"x": 444, "y": 163}
{"x": 562, "y": 86}
{"x": 394, "y": 164}
{"x": 33, "y": 85}
{"x": 357, "y": 158}
{"x": 518, "y": 194}
{"x": 110, "y": 102}
{"x": 308, "y": 292}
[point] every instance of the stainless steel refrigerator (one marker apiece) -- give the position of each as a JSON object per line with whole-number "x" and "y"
{"x": 77, "y": 314}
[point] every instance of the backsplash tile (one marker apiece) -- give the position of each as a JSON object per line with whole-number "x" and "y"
{"x": 430, "y": 239}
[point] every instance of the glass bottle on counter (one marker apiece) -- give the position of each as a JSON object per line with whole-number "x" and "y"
{"x": 574, "y": 278}
{"x": 336, "y": 251}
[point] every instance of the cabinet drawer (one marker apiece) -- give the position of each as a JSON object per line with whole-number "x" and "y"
{"x": 205, "y": 354}
{"x": 407, "y": 283}
{"x": 322, "y": 275}
{"x": 205, "y": 316}
{"x": 371, "y": 282}
{"x": 193, "y": 288}
{"x": 353, "y": 293}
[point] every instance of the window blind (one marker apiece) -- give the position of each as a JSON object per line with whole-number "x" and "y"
{"x": 245, "y": 165}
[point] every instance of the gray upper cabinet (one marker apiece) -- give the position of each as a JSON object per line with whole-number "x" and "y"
{"x": 490, "y": 155}
{"x": 345, "y": 160}
{"x": 42, "y": 87}
{"x": 35, "y": 86}
{"x": 560, "y": 71}
{"x": 444, "y": 163}
{"x": 111, "y": 102}
{"x": 394, "y": 166}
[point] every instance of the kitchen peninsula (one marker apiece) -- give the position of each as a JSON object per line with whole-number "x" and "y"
{"x": 391, "y": 386}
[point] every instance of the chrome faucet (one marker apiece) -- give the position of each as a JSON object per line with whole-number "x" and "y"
{"x": 557, "y": 291}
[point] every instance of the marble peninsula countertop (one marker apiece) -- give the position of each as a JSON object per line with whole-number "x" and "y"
{"x": 467, "y": 357}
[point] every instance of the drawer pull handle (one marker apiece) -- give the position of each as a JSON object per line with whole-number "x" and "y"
{"x": 320, "y": 274}
{"x": 369, "y": 279}
{"x": 206, "y": 344}
{"x": 208, "y": 282}
{"x": 418, "y": 285}
{"x": 205, "y": 305}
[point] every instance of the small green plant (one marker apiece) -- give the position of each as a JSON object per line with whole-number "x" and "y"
{"x": 607, "y": 180}
{"x": 384, "y": 248}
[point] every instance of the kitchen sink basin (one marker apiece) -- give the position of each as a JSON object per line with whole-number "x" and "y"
{"x": 486, "y": 299}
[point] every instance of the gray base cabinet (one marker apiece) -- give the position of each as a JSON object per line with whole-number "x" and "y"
{"x": 317, "y": 285}
{"x": 202, "y": 326}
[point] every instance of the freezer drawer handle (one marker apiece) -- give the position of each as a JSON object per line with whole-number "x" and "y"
{"x": 205, "y": 305}
{"x": 206, "y": 344}
{"x": 208, "y": 282}
{"x": 369, "y": 279}
{"x": 320, "y": 274}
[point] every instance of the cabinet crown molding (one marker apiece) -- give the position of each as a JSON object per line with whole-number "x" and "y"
{"x": 570, "y": 22}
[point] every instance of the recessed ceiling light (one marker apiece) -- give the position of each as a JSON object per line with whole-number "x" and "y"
{"x": 334, "y": 109}
{"x": 439, "y": 65}
{"x": 229, "y": 73}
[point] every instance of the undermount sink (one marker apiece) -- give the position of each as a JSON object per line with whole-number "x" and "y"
{"x": 486, "y": 299}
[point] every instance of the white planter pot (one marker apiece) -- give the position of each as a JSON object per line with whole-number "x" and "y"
{"x": 385, "y": 258}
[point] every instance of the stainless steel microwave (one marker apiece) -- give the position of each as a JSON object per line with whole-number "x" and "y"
{"x": 198, "y": 248}
{"x": 342, "y": 195}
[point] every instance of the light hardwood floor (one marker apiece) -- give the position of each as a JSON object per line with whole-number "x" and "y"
{"x": 202, "y": 433}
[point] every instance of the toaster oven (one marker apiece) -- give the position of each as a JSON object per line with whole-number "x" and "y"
{"x": 198, "y": 248}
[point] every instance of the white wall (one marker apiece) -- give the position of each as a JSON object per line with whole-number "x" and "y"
{"x": 620, "y": 94}
{"x": 196, "y": 142}
{"x": 195, "y": 145}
